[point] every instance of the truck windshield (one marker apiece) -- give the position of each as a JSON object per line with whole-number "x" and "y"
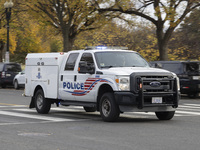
{"x": 120, "y": 59}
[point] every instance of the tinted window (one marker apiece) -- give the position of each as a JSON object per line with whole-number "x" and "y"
{"x": 87, "y": 57}
{"x": 71, "y": 61}
{"x": 192, "y": 67}
{"x": 176, "y": 68}
{"x": 13, "y": 67}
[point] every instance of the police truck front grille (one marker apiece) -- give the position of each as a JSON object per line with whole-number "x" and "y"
{"x": 165, "y": 84}
{"x": 154, "y": 85}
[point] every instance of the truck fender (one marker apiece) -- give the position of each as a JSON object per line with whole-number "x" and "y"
{"x": 32, "y": 103}
{"x": 103, "y": 89}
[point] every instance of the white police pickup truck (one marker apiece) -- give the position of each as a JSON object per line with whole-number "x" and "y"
{"x": 111, "y": 81}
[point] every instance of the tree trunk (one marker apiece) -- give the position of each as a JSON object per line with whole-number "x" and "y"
{"x": 162, "y": 44}
{"x": 163, "y": 50}
{"x": 67, "y": 42}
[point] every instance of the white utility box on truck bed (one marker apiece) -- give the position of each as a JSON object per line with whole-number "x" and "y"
{"x": 108, "y": 80}
{"x": 43, "y": 69}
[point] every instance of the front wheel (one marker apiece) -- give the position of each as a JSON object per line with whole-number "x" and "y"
{"x": 42, "y": 104}
{"x": 16, "y": 85}
{"x": 165, "y": 115}
{"x": 109, "y": 110}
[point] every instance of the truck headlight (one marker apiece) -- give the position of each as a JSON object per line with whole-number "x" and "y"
{"x": 178, "y": 82}
{"x": 123, "y": 83}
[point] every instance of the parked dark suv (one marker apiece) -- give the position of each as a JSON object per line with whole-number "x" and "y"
{"x": 8, "y": 72}
{"x": 188, "y": 73}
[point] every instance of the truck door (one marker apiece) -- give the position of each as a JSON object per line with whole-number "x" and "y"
{"x": 67, "y": 78}
{"x": 86, "y": 79}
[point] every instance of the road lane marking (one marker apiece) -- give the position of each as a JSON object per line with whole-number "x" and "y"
{"x": 181, "y": 106}
{"x": 11, "y": 104}
{"x": 52, "y": 109}
{"x": 39, "y": 117}
{"x": 179, "y": 112}
{"x": 188, "y": 109}
{"x": 183, "y": 110}
{"x": 188, "y": 113}
{"x": 18, "y": 123}
{"x": 197, "y": 105}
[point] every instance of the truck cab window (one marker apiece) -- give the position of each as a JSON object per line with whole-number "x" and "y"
{"x": 71, "y": 61}
{"x": 87, "y": 57}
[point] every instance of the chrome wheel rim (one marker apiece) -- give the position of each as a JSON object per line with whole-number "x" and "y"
{"x": 39, "y": 101}
{"x": 106, "y": 107}
{"x": 15, "y": 85}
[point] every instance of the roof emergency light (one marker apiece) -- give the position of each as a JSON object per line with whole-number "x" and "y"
{"x": 101, "y": 47}
{"x": 105, "y": 47}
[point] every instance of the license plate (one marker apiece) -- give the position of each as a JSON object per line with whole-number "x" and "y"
{"x": 8, "y": 75}
{"x": 156, "y": 100}
{"x": 196, "y": 77}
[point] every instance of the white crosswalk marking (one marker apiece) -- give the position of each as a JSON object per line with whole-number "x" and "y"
{"x": 188, "y": 113}
{"x": 33, "y": 116}
{"x": 183, "y": 110}
{"x": 197, "y": 105}
{"x": 62, "y": 114}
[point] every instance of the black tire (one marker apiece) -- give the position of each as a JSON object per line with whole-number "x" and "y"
{"x": 109, "y": 110}
{"x": 192, "y": 95}
{"x": 167, "y": 115}
{"x": 90, "y": 109}
{"x": 3, "y": 85}
{"x": 42, "y": 104}
{"x": 16, "y": 85}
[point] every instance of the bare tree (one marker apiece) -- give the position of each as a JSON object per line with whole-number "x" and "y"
{"x": 166, "y": 15}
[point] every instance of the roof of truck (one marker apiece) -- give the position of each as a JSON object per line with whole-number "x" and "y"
{"x": 172, "y": 62}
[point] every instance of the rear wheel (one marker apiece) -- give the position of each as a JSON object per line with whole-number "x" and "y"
{"x": 167, "y": 115}
{"x": 42, "y": 104}
{"x": 3, "y": 85}
{"x": 192, "y": 95}
{"x": 109, "y": 110}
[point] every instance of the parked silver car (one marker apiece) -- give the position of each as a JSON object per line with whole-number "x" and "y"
{"x": 19, "y": 80}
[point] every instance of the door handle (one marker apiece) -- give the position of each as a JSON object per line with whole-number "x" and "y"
{"x": 75, "y": 77}
{"x": 61, "y": 78}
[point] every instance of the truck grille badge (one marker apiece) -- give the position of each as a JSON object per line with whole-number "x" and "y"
{"x": 155, "y": 84}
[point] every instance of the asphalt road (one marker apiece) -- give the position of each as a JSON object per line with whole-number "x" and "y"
{"x": 71, "y": 128}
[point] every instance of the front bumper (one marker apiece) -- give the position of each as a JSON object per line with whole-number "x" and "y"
{"x": 190, "y": 86}
{"x": 142, "y": 100}
{"x": 6, "y": 81}
{"x": 142, "y": 92}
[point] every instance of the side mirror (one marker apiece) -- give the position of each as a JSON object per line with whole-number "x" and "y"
{"x": 85, "y": 67}
{"x": 158, "y": 65}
